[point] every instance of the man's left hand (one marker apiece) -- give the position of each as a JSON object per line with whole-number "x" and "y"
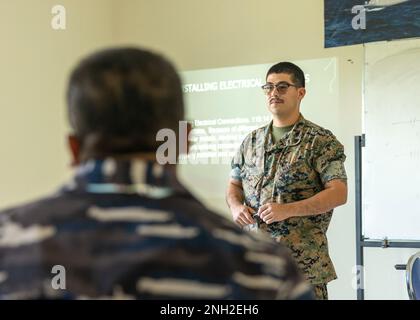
{"x": 273, "y": 212}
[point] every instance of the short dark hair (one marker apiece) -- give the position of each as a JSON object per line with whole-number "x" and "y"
{"x": 298, "y": 77}
{"x": 118, "y": 99}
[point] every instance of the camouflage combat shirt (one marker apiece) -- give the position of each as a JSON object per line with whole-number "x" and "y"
{"x": 130, "y": 230}
{"x": 296, "y": 168}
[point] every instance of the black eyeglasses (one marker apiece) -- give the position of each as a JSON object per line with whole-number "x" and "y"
{"x": 281, "y": 87}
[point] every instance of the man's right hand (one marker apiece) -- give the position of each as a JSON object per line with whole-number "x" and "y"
{"x": 242, "y": 215}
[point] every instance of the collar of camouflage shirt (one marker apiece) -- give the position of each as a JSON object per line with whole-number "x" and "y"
{"x": 131, "y": 176}
{"x": 292, "y": 138}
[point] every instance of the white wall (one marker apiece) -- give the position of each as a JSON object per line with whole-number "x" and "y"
{"x": 35, "y": 61}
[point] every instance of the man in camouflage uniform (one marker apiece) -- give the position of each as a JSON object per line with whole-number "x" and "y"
{"x": 124, "y": 227}
{"x": 288, "y": 176}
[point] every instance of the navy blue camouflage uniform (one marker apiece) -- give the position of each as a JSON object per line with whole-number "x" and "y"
{"x": 129, "y": 230}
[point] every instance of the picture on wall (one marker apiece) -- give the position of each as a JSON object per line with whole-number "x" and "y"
{"x": 350, "y": 22}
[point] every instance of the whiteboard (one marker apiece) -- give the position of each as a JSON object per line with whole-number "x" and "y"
{"x": 391, "y": 157}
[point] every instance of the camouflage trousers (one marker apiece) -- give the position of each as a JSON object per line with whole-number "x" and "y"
{"x": 320, "y": 291}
